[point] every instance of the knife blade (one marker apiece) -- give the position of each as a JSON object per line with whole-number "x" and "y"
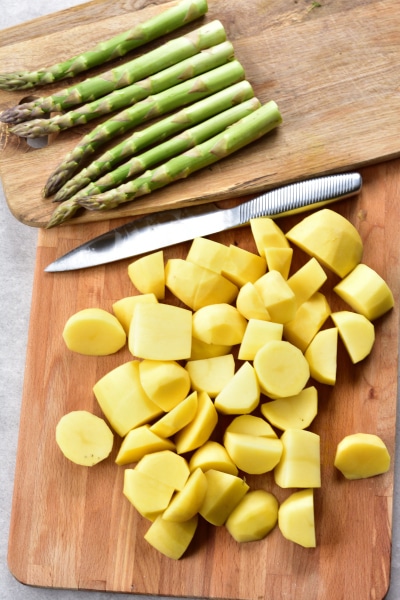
{"x": 159, "y": 230}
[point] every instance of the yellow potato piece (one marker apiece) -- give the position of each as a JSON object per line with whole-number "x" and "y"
{"x": 165, "y": 466}
{"x": 208, "y": 253}
{"x": 197, "y": 432}
{"x": 241, "y": 395}
{"x": 296, "y": 518}
{"x": 250, "y": 304}
{"x": 294, "y": 412}
{"x": 281, "y": 369}
{"x": 212, "y": 455}
{"x": 254, "y": 517}
{"x": 186, "y": 503}
{"x": 171, "y": 538}
{"x": 308, "y": 320}
{"x": 224, "y": 492}
{"x": 253, "y": 454}
{"x": 277, "y": 296}
{"x": 330, "y": 238}
{"x": 166, "y": 383}
{"x": 94, "y": 332}
{"x": 161, "y": 332}
{"x": 149, "y": 496}
{"x": 307, "y": 280}
{"x": 356, "y": 332}
{"x": 242, "y": 266}
{"x": 362, "y": 455}
{"x": 124, "y": 309}
{"x": 251, "y": 425}
{"x": 141, "y": 441}
{"x": 123, "y": 400}
{"x": 257, "y": 334}
{"x": 84, "y": 438}
{"x": 279, "y": 259}
{"x": 211, "y": 375}
{"x": 219, "y": 324}
{"x": 197, "y": 286}
{"x": 148, "y": 275}
{"x": 177, "y": 418}
{"x": 299, "y": 466}
{"x": 366, "y": 292}
{"x": 267, "y": 234}
{"x": 321, "y": 355}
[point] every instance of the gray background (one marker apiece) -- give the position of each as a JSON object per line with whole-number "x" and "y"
{"x": 17, "y": 257}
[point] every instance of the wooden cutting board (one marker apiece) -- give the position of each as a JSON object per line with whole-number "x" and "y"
{"x": 332, "y": 67}
{"x": 71, "y": 527}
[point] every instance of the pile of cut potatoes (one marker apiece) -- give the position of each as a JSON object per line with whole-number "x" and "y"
{"x": 245, "y": 342}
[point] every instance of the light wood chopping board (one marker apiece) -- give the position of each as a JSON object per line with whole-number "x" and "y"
{"x": 332, "y": 68}
{"x": 71, "y": 527}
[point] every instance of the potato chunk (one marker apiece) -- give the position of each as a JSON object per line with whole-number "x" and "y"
{"x": 279, "y": 259}
{"x": 254, "y": 517}
{"x": 166, "y": 383}
{"x": 208, "y": 253}
{"x": 241, "y": 394}
{"x": 141, "y": 441}
{"x": 308, "y": 320}
{"x": 224, "y": 492}
{"x": 253, "y": 454}
{"x": 321, "y": 355}
{"x": 123, "y": 400}
{"x": 356, "y": 332}
{"x": 211, "y": 375}
{"x": 296, "y": 519}
{"x": 366, "y": 292}
{"x": 94, "y": 332}
{"x": 250, "y": 304}
{"x": 84, "y": 438}
{"x": 161, "y": 332}
{"x": 277, "y": 296}
{"x": 177, "y": 418}
{"x": 147, "y": 274}
{"x": 267, "y": 234}
{"x": 362, "y": 455}
{"x": 124, "y": 309}
{"x": 149, "y": 496}
{"x": 307, "y": 280}
{"x": 170, "y": 537}
{"x": 187, "y": 502}
{"x": 165, "y": 466}
{"x": 257, "y": 334}
{"x": 242, "y": 266}
{"x": 294, "y": 412}
{"x": 197, "y": 432}
{"x": 212, "y": 455}
{"x": 330, "y": 238}
{"x": 197, "y": 286}
{"x": 219, "y": 324}
{"x": 281, "y": 368}
{"x": 300, "y": 462}
{"x": 251, "y": 425}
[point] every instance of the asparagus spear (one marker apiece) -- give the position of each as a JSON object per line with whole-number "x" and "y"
{"x": 143, "y": 66}
{"x": 238, "y": 135}
{"x": 190, "y": 67}
{"x": 165, "y": 22}
{"x": 154, "y": 106}
{"x": 156, "y": 132}
{"x": 138, "y": 164}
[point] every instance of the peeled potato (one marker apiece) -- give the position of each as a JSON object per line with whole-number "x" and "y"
{"x": 147, "y": 274}
{"x": 94, "y": 332}
{"x": 254, "y": 517}
{"x": 170, "y": 537}
{"x": 357, "y": 333}
{"x": 187, "y": 502}
{"x": 84, "y": 438}
{"x": 281, "y": 369}
{"x": 362, "y": 455}
{"x": 296, "y": 518}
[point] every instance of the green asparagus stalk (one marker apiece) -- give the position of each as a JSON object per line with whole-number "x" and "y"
{"x": 154, "y": 106}
{"x": 202, "y": 62}
{"x": 166, "y": 150}
{"x": 169, "y": 20}
{"x": 245, "y": 131}
{"x": 143, "y": 66}
{"x": 156, "y": 133}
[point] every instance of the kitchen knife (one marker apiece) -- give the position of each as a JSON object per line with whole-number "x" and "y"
{"x": 159, "y": 230}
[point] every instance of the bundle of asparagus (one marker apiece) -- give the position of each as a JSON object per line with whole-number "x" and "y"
{"x": 141, "y": 67}
{"x": 167, "y": 21}
{"x": 195, "y": 80}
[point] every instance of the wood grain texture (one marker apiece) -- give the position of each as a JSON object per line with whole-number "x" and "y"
{"x": 332, "y": 69}
{"x": 71, "y": 526}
